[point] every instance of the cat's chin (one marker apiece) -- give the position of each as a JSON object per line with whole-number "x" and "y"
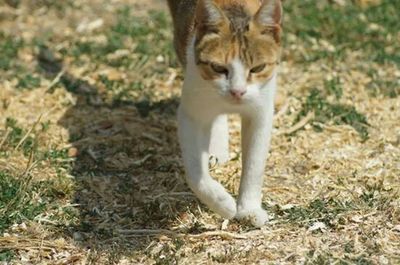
{"x": 238, "y": 101}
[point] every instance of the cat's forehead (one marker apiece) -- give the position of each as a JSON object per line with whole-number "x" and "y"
{"x": 243, "y": 43}
{"x": 239, "y": 18}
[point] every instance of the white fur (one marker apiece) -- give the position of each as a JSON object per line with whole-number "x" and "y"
{"x": 219, "y": 142}
{"x": 238, "y": 76}
{"x": 202, "y": 121}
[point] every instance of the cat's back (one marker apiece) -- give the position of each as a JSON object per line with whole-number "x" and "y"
{"x": 183, "y": 16}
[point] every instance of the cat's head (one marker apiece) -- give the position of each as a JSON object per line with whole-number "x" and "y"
{"x": 237, "y": 45}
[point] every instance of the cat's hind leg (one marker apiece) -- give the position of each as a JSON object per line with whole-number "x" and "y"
{"x": 219, "y": 143}
{"x": 194, "y": 138}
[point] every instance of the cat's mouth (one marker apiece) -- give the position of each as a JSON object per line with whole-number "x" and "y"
{"x": 235, "y": 100}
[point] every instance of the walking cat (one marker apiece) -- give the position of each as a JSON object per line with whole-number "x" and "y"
{"x": 230, "y": 52}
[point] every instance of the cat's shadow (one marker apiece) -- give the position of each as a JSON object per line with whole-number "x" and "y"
{"x": 127, "y": 168}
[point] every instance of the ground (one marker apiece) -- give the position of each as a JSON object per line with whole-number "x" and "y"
{"x": 90, "y": 168}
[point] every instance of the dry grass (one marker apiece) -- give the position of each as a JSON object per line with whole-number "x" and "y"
{"x": 90, "y": 169}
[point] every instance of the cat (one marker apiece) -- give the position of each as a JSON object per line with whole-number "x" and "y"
{"x": 230, "y": 52}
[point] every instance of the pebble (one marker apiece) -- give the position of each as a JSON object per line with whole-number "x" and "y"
{"x": 73, "y": 152}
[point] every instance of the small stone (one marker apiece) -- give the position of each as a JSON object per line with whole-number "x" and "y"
{"x": 287, "y": 206}
{"x": 374, "y": 27}
{"x": 317, "y": 226}
{"x": 164, "y": 238}
{"x": 23, "y": 226}
{"x": 73, "y": 152}
{"x": 118, "y": 54}
{"x": 383, "y": 260}
{"x": 77, "y": 236}
{"x": 160, "y": 59}
{"x": 89, "y": 26}
{"x": 114, "y": 75}
{"x": 357, "y": 219}
{"x": 224, "y": 225}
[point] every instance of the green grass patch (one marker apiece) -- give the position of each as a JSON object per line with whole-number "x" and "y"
{"x": 17, "y": 137}
{"x": 334, "y": 87}
{"x": 22, "y": 199}
{"x": 333, "y": 211}
{"x": 389, "y": 87}
{"x": 9, "y": 46}
{"x": 18, "y": 200}
{"x": 326, "y": 258}
{"x": 375, "y": 196}
{"x": 121, "y": 91}
{"x": 319, "y": 259}
{"x": 56, "y": 155}
{"x": 60, "y": 161}
{"x": 150, "y": 36}
{"x": 6, "y": 255}
{"x": 335, "y": 113}
{"x": 327, "y": 211}
{"x": 28, "y": 81}
{"x": 371, "y": 30}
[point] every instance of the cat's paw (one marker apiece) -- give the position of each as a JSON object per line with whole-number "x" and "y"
{"x": 226, "y": 207}
{"x": 257, "y": 216}
{"x": 214, "y": 195}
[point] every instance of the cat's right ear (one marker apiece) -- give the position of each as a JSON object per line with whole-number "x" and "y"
{"x": 208, "y": 13}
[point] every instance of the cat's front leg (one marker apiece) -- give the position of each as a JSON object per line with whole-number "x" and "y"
{"x": 219, "y": 144}
{"x": 256, "y": 134}
{"x": 194, "y": 137}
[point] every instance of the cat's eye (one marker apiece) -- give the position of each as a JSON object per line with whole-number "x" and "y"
{"x": 258, "y": 68}
{"x": 219, "y": 69}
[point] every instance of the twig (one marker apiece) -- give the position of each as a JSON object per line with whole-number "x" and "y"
{"x": 22, "y": 188}
{"x": 153, "y": 232}
{"x": 152, "y": 138}
{"x": 28, "y": 132}
{"x": 142, "y": 161}
{"x": 5, "y": 137}
{"x": 44, "y": 220}
{"x": 11, "y": 242}
{"x": 39, "y": 254}
{"x": 282, "y": 110}
{"x": 171, "y": 78}
{"x": 56, "y": 80}
{"x": 172, "y": 194}
{"x": 223, "y": 234}
{"x": 299, "y": 125}
{"x": 92, "y": 154}
{"x": 145, "y": 232}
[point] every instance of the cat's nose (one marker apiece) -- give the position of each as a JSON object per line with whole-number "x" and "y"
{"x": 237, "y": 93}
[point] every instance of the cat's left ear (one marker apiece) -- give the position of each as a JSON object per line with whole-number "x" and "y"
{"x": 269, "y": 17}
